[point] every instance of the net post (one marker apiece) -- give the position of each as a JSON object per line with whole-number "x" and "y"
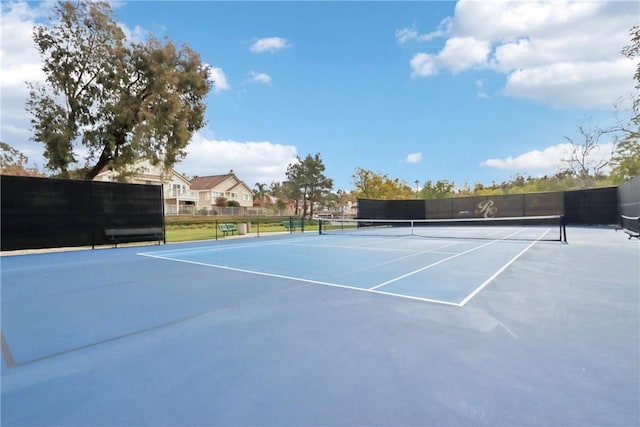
{"x": 563, "y": 229}
{"x": 164, "y": 219}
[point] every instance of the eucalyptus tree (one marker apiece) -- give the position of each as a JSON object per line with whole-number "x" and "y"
{"x": 114, "y": 100}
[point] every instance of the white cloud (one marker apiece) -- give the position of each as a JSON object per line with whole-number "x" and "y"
{"x": 423, "y": 65}
{"x": 136, "y": 34}
{"x": 462, "y": 53}
{"x": 219, "y": 79}
{"x": 564, "y": 53}
{"x": 548, "y": 160}
{"x": 481, "y": 93}
{"x": 565, "y": 84}
{"x": 414, "y": 158}
{"x": 20, "y": 63}
{"x": 252, "y": 162}
{"x": 269, "y": 44}
{"x": 459, "y": 54}
{"x": 406, "y": 34}
{"x": 20, "y": 59}
{"x": 262, "y": 78}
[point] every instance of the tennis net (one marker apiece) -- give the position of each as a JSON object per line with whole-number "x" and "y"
{"x": 631, "y": 225}
{"x": 530, "y": 228}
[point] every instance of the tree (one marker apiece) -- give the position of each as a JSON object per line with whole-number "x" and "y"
{"x": 275, "y": 188}
{"x": 288, "y": 190}
{"x": 329, "y": 200}
{"x": 625, "y": 162}
{"x": 441, "y": 189}
{"x": 583, "y": 160}
{"x": 280, "y": 205}
{"x": 282, "y": 194}
{"x": 307, "y": 178}
{"x": 260, "y": 192}
{"x": 121, "y": 101}
{"x": 625, "y": 134}
{"x": 374, "y": 185}
{"x": 13, "y": 162}
{"x": 632, "y": 51}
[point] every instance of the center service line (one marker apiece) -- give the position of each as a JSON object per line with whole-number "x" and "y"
{"x": 426, "y": 267}
{"x": 497, "y": 273}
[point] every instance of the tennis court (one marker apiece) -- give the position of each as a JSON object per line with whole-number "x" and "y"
{"x": 474, "y": 326}
{"x": 392, "y": 260}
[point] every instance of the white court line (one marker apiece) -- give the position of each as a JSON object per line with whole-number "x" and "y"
{"x": 378, "y": 249}
{"x": 205, "y": 249}
{"x": 426, "y": 267}
{"x": 287, "y": 242}
{"x": 374, "y": 289}
{"x": 367, "y": 242}
{"x": 300, "y": 279}
{"x": 497, "y": 273}
{"x": 412, "y": 254}
{"x": 375, "y": 249}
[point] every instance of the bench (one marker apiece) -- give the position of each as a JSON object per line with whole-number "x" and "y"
{"x": 122, "y": 235}
{"x": 227, "y": 229}
{"x": 630, "y": 225}
{"x": 294, "y": 223}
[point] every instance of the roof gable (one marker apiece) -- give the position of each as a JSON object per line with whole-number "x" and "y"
{"x": 207, "y": 182}
{"x": 142, "y": 170}
{"x": 228, "y": 182}
{"x": 178, "y": 177}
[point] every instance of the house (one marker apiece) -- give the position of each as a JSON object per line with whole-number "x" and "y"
{"x": 228, "y": 186}
{"x": 178, "y": 196}
{"x": 274, "y": 205}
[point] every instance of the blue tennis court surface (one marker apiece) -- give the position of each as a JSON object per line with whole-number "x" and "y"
{"x": 435, "y": 270}
{"x": 327, "y": 330}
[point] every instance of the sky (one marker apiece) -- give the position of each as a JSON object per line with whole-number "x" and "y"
{"x": 467, "y": 91}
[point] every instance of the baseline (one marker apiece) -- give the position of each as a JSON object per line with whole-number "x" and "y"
{"x": 298, "y": 279}
{"x": 464, "y": 293}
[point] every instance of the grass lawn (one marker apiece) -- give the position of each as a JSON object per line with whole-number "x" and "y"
{"x": 188, "y": 234}
{"x": 183, "y": 229}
